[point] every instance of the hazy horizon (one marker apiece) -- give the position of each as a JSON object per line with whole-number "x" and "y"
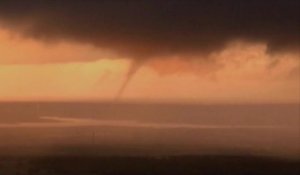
{"x": 149, "y": 129}
{"x": 187, "y": 86}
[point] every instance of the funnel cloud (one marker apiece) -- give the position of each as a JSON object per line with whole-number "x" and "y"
{"x": 134, "y": 67}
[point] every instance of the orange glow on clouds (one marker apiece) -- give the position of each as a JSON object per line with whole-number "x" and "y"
{"x": 30, "y": 70}
{"x": 16, "y": 50}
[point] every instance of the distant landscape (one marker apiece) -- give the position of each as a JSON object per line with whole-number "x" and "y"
{"x": 62, "y": 138}
{"x": 149, "y": 87}
{"x": 175, "y": 165}
{"x": 149, "y": 128}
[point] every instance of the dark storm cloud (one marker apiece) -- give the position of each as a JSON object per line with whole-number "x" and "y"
{"x": 143, "y": 29}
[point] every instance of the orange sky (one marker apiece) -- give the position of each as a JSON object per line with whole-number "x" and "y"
{"x": 241, "y": 73}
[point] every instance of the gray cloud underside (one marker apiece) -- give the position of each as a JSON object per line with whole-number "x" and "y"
{"x": 145, "y": 29}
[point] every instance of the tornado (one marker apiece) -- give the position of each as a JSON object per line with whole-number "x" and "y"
{"x": 133, "y": 69}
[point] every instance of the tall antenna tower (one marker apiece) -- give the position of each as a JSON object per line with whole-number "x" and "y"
{"x": 37, "y": 109}
{"x": 93, "y": 137}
